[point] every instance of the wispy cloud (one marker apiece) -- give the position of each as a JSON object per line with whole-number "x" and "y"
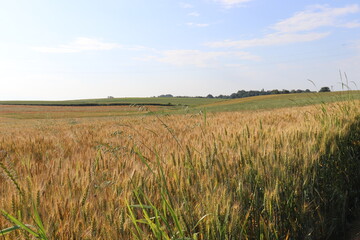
{"x": 173, "y": 57}
{"x": 189, "y": 57}
{"x": 232, "y": 3}
{"x": 191, "y": 24}
{"x": 353, "y": 24}
{"x": 270, "y": 40}
{"x": 199, "y": 58}
{"x": 79, "y": 45}
{"x": 194, "y": 14}
{"x": 82, "y": 44}
{"x": 186, "y": 5}
{"x": 298, "y": 28}
{"x": 315, "y": 17}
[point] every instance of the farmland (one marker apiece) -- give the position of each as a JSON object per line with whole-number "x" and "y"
{"x": 120, "y": 101}
{"x": 270, "y": 167}
{"x": 148, "y": 106}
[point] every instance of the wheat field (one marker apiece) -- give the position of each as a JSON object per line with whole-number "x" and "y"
{"x": 289, "y": 173}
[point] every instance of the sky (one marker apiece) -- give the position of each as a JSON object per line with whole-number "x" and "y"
{"x": 58, "y": 50}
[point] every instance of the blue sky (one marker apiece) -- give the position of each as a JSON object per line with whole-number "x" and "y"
{"x": 94, "y": 49}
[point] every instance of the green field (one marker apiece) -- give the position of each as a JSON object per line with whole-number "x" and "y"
{"x": 120, "y": 101}
{"x": 281, "y": 101}
{"x": 141, "y": 106}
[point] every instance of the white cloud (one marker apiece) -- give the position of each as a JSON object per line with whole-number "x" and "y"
{"x": 79, "y": 45}
{"x": 191, "y": 24}
{"x": 194, "y": 14}
{"x": 198, "y": 58}
{"x": 236, "y": 65}
{"x": 186, "y": 5}
{"x": 315, "y": 17}
{"x": 245, "y": 56}
{"x": 86, "y": 44}
{"x": 189, "y": 57}
{"x": 270, "y": 40}
{"x": 298, "y": 28}
{"x": 232, "y": 3}
{"x": 353, "y": 24}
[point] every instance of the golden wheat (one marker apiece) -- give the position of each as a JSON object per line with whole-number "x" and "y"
{"x": 238, "y": 175}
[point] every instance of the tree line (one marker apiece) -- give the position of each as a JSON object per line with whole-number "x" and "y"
{"x": 252, "y": 93}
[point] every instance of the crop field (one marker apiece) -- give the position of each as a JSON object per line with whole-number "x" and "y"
{"x": 122, "y": 101}
{"x": 202, "y": 170}
{"x": 58, "y": 112}
{"x": 281, "y": 101}
{"x": 149, "y": 106}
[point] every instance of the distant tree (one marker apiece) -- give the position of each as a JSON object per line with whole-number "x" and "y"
{"x": 209, "y": 96}
{"x": 251, "y": 93}
{"x": 325, "y": 89}
{"x": 222, "y": 96}
{"x": 234, "y": 95}
{"x": 166, "y": 95}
